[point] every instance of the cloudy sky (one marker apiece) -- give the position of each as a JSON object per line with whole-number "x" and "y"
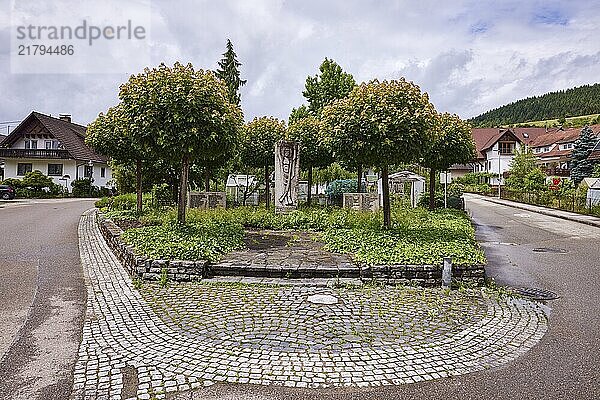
{"x": 470, "y": 56}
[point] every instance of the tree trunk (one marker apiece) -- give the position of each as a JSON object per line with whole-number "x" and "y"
{"x": 310, "y": 179}
{"x": 138, "y": 185}
{"x": 207, "y": 181}
{"x": 359, "y": 180}
{"x": 267, "y": 189}
{"x": 432, "y": 189}
{"x": 385, "y": 184}
{"x": 183, "y": 183}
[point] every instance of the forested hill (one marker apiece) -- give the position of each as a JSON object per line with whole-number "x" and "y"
{"x": 581, "y": 100}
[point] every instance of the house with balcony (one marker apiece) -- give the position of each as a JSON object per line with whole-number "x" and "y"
{"x": 54, "y": 146}
{"x": 495, "y": 148}
{"x": 553, "y": 151}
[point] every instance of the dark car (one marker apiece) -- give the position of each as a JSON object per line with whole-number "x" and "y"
{"x": 6, "y": 192}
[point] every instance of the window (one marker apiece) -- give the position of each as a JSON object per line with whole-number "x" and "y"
{"x": 23, "y": 168}
{"x": 31, "y": 144}
{"x": 48, "y": 144}
{"x": 55, "y": 169}
{"x": 506, "y": 147}
{"x": 88, "y": 171}
{"x": 102, "y": 172}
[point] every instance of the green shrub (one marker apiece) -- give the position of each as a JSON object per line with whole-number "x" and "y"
{"x": 199, "y": 241}
{"x": 454, "y": 198}
{"x": 422, "y": 237}
{"x": 37, "y": 181}
{"x": 124, "y": 202}
{"x": 83, "y": 187}
{"x": 13, "y": 182}
{"x": 104, "y": 202}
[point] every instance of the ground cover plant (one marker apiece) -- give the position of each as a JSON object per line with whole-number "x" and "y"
{"x": 417, "y": 236}
{"x": 198, "y": 241}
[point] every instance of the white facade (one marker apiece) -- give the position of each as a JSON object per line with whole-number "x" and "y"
{"x": 71, "y": 170}
{"x": 496, "y": 163}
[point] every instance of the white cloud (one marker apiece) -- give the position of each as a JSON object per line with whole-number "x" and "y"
{"x": 469, "y": 55}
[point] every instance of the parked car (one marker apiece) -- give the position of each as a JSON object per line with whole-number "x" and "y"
{"x": 7, "y": 192}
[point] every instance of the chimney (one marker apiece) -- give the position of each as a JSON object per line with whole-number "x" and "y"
{"x": 65, "y": 117}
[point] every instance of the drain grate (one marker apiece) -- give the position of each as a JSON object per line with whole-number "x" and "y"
{"x": 549, "y": 250}
{"x": 536, "y": 294}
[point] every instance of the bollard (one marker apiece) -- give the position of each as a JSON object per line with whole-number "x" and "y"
{"x": 447, "y": 273}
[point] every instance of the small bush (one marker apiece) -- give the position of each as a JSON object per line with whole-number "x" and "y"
{"x": 83, "y": 188}
{"x": 13, "y": 182}
{"x": 454, "y": 198}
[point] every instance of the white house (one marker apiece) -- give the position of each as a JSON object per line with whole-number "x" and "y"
{"x": 54, "y": 146}
{"x": 496, "y": 147}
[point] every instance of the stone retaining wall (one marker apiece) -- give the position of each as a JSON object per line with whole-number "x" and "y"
{"x": 147, "y": 269}
{"x": 184, "y": 271}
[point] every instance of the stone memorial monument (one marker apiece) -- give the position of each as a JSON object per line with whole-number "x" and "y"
{"x": 361, "y": 201}
{"x": 206, "y": 199}
{"x": 287, "y": 173}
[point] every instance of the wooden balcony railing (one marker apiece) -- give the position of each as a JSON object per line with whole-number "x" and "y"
{"x": 558, "y": 172}
{"x": 34, "y": 153}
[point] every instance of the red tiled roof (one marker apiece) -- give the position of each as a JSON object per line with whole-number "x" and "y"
{"x": 70, "y": 135}
{"x": 555, "y": 152}
{"x": 561, "y": 136}
{"x": 486, "y": 137}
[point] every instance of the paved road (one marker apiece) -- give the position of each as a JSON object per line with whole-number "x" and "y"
{"x": 564, "y": 365}
{"x": 42, "y": 297}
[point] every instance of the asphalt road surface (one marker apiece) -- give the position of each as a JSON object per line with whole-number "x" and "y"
{"x": 42, "y": 297}
{"x": 566, "y": 362}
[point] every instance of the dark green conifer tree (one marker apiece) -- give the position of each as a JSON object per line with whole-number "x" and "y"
{"x": 581, "y": 167}
{"x": 229, "y": 72}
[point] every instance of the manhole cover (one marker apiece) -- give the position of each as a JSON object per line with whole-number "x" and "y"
{"x": 322, "y": 299}
{"x": 536, "y": 294}
{"x": 549, "y": 250}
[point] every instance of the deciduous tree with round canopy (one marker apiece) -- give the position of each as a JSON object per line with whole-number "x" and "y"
{"x": 258, "y": 145}
{"x": 380, "y": 124}
{"x": 183, "y": 113}
{"x": 109, "y": 135}
{"x": 452, "y": 143}
{"x": 313, "y": 151}
{"x": 330, "y": 84}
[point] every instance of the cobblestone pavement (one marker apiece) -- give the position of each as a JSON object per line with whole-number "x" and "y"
{"x": 153, "y": 341}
